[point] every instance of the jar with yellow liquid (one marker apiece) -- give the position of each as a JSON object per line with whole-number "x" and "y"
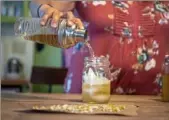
{"x": 96, "y": 80}
{"x": 165, "y": 80}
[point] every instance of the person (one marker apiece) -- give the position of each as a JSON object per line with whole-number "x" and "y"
{"x": 133, "y": 33}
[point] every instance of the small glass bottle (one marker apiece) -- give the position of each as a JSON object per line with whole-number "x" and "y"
{"x": 96, "y": 80}
{"x": 165, "y": 80}
{"x": 63, "y": 36}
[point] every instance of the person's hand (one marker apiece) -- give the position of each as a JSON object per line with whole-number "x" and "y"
{"x": 51, "y": 12}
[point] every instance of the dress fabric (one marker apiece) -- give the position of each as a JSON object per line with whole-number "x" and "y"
{"x": 135, "y": 38}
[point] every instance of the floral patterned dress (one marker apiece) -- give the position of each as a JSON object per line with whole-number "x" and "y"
{"x": 136, "y": 37}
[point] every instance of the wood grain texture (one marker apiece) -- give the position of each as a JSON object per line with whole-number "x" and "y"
{"x": 149, "y": 107}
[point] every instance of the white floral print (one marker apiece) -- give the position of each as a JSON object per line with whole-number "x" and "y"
{"x": 166, "y": 15}
{"x": 163, "y": 21}
{"x": 115, "y": 73}
{"x": 96, "y": 3}
{"x": 158, "y": 79}
{"x": 150, "y": 64}
{"x": 84, "y": 3}
{"x": 155, "y": 44}
{"x": 131, "y": 91}
{"x": 111, "y": 16}
{"x": 109, "y": 29}
{"x": 119, "y": 90}
{"x": 121, "y": 5}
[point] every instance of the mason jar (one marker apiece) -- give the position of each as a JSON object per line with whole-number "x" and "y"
{"x": 96, "y": 80}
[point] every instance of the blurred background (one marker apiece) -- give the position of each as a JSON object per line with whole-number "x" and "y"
{"x": 19, "y": 57}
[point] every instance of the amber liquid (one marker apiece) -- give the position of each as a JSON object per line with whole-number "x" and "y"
{"x": 99, "y": 93}
{"x": 51, "y": 39}
{"x": 165, "y": 88}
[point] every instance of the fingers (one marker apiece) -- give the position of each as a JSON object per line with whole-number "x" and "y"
{"x": 56, "y": 16}
{"x": 73, "y": 20}
{"x": 48, "y": 14}
{"x": 53, "y": 13}
{"x": 70, "y": 15}
{"x": 78, "y": 22}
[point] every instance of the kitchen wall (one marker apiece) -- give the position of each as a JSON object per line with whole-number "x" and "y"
{"x": 15, "y": 46}
{"x": 49, "y": 56}
{"x": 12, "y": 46}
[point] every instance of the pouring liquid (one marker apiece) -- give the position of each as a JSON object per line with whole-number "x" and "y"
{"x": 91, "y": 52}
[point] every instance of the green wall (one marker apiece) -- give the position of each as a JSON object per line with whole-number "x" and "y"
{"x": 49, "y": 57}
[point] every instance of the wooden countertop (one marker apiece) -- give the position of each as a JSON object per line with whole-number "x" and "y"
{"x": 149, "y": 107}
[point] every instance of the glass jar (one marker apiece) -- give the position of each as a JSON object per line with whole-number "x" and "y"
{"x": 63, "y": 36}
{"x": 96, "y": 80}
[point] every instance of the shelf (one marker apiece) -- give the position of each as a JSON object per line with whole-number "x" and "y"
{"x": 8, "y": 19}
{"x": 14, "y": 82}
{"x": 14, "y": 85}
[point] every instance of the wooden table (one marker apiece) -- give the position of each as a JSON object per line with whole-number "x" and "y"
{"x": 149, "y": 107}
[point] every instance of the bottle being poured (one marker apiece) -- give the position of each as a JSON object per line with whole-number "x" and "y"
{"x": 63, "y": 36}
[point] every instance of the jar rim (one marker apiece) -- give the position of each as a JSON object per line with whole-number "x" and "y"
{"x": 97, "y": 60}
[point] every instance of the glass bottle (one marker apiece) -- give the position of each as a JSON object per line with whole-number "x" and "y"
{"x": 165, "y": 80}
{"x": 96, "y": 80}
{"x": 63, "y": 36}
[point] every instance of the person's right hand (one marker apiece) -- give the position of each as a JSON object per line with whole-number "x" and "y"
{"x": 51, "y": 12}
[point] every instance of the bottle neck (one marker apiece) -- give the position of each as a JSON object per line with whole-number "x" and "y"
{"x": 80, "y": 35}
{"x": 70, "y": 36}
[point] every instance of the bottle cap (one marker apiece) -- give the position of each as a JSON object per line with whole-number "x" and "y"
{"x": 80, "y": 33}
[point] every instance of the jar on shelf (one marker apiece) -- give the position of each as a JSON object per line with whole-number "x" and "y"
{"x": 18, "y": 9}
{"x": 4, "y": 9}
{"x": 96, "y": 85}
{"x": 63, "y": 36}
{"x": 11, "y": 10}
